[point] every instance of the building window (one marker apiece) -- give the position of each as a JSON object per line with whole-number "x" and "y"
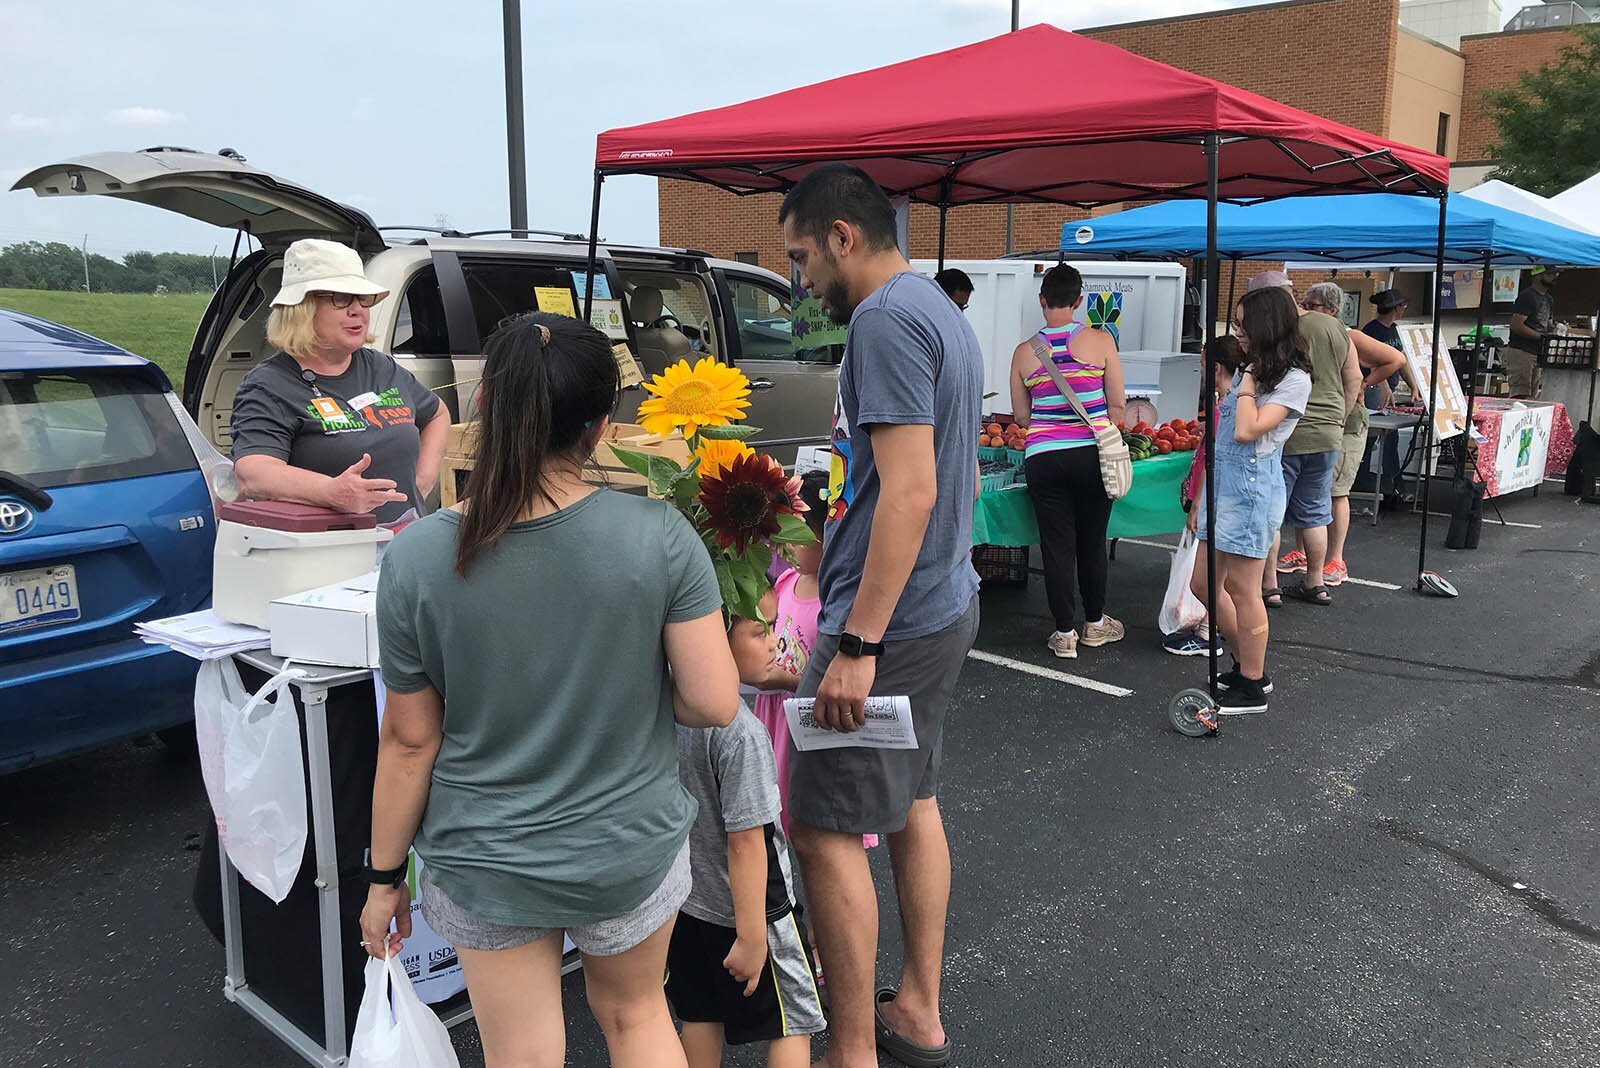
{"x": 1444, "y": 134}
{"x": 748, "y": 257}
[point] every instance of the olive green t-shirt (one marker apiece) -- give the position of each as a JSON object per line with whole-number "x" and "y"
{"x": 555, "y": 799}
{"x": 1320, "y": 429}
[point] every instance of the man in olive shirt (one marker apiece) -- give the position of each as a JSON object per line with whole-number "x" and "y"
{"x": 1312, "y": 451}
{"x": 1532, "y": 317}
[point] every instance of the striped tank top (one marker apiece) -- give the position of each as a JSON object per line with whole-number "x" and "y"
{"x": 1054, "y": 425}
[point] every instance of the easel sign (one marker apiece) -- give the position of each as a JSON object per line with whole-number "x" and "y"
{"x": 1449, "y": 406}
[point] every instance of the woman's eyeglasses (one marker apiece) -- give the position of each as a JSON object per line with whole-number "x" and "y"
{"x": 343, "y": 300}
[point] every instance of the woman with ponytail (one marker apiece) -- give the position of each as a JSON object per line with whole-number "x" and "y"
{"x": 538, "y": 641}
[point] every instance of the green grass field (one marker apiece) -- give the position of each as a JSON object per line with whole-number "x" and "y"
{"x": 158, "y": 328}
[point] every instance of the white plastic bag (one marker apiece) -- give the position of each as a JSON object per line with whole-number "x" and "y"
{"x": 1181, "y": 609}
{"x": 407, "y": 1036}
{"x": 250, "y": 758}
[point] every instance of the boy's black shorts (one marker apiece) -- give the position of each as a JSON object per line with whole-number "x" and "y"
{"x": 785, "y": 1001}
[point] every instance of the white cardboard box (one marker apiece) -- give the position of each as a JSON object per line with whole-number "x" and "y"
{"x": 334, "y": 625}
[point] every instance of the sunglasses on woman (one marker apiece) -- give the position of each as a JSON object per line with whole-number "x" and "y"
{"x": 342, "y": 300}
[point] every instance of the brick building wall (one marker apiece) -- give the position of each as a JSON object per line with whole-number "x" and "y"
{"x": 1495, "y": 61}
{"x": 1331, "y": 57}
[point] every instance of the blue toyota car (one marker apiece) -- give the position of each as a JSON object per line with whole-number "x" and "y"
{"x": 105, "y": 520}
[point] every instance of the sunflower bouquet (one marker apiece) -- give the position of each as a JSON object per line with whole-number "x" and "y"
{"x": 741, "y": 502}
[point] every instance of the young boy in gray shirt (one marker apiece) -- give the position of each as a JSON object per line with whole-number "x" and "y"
{"x": 738, "y": 968}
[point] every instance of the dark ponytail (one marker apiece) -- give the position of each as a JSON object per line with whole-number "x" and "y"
{"x": 547, "y": 381}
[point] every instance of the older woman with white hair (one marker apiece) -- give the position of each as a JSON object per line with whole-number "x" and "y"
{"x": 327, "y": 420}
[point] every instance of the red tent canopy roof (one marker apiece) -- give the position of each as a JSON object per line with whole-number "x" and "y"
{"x": 1036, "y": 115}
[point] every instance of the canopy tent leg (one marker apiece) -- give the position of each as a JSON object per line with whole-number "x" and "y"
{"x": 1213, "y": 146}
{"x": 944, "y": 210}
{"x": 1485, "y": 292}
{"x": 594, "y": 241}
{"x": 1433, "y": 389}
{"x": 1233, "y": 281}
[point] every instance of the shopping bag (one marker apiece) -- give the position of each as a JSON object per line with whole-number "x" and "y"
{"x": 249, "y": 749}
{"x": 405, "y": 1034}
{"x": 1181, "y": 609}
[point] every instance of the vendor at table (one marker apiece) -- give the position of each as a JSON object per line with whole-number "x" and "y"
{"x": 327, "y": 420}
{"x": 1532, "y": 317}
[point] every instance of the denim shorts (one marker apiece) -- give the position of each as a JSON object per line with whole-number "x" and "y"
{"x": 1308, "y": 485}
{"x": 606, "y": 938}
{"x": 1250, "y": 502}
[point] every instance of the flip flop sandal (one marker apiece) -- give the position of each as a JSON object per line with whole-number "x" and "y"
{"x": 898, "y": 1046}
{"x": 1318, "y": 595}
{"x": 1273, "y": 598}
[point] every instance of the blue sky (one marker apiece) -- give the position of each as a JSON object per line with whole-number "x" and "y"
{"x": 398, "y": 107}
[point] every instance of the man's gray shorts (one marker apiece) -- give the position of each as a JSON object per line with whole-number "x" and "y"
{"x": 604, "y": 939}
{"x": 870, "y": 791}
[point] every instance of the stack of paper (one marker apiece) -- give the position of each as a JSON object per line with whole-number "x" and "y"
{"x": 203, "y": 635}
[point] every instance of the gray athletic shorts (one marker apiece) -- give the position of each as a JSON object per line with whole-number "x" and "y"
{"x": 604, "y": 939}
{"x": 870, "y": 791}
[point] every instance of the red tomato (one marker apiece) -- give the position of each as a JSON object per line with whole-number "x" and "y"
{"x": 1163, "y": 447}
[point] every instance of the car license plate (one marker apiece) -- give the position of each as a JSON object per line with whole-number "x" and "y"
{"x": 38, "y": 598}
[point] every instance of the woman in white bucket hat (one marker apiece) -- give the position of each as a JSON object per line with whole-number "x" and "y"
{"x": 327, "y": 420}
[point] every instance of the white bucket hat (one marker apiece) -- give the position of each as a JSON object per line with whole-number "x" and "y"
{"x": 322, "y": 266}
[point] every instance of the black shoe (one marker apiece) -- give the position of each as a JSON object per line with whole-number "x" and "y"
{"x": 1229, "y": 680}
{"x": 1243, "y": 698}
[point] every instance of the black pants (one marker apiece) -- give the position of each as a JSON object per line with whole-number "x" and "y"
{"x": 1073, "y": 510}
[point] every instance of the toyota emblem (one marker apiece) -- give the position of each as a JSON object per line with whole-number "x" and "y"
{"x": 14, "y": 517}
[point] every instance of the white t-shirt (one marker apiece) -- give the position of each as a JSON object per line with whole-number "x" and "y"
{"x": 1293, "y": 391}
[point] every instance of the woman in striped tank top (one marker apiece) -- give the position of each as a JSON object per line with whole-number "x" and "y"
{"x": 1063, "y": 465}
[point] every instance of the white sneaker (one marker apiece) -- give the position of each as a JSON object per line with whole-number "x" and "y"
{"x": 1105, "y": 632}
{"x": 1064, "y": 645}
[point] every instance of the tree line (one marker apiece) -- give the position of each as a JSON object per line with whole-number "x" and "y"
{"x": 54, "y": 265}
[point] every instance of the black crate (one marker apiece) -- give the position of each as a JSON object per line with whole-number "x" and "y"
{"x": 1589, "y": 488}
{"x": 1574, "y": 352}
{"x": 1001, "y": 565}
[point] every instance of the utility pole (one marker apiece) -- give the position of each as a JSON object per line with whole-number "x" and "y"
{"x": 1011, "y": 209}
{"x": 516, "y": 146}
{"x": 85, "y": 251}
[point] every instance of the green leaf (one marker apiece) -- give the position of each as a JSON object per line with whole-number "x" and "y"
{"x": 748, "y": 589}
{"x": 663, "y": 475}
{"x": 683, "y": 495}
{"x": 725, "y": 584}
{"x": 760, "y": 557}
{"x": 637, "y": 462}
{"x": 792, "y": 530}
{"x": 731, "y": 432}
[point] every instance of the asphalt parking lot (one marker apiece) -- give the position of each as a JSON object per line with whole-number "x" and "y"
{"x": 1398, "y": 865}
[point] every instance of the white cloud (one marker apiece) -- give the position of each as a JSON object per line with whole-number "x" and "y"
{"x": 141, "y": 116}
{"x": 20, "y": 123}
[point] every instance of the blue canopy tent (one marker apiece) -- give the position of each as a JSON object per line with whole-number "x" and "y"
{"x": 1361, "y": 228}
{"x": 1352, "y": 229}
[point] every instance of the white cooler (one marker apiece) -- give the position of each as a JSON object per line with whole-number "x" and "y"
{"x": 270, "y": 549}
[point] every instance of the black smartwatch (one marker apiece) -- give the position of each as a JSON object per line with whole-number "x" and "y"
{"x": 394, "y": 877}
{"x": 856, "y": 645}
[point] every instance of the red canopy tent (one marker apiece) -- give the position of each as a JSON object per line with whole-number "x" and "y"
{"x": 1042, "y": 115}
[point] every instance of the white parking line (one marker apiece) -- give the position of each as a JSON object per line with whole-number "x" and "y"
{"x": 1173, "y": 548}
{"x": 1494, "y": 522}
{"x": 1048, "y": 673}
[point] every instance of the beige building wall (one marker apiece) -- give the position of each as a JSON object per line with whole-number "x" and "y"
{"x": 1427, "y": 84}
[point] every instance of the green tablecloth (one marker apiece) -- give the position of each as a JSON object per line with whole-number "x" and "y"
{"x": 1151, "y": 507}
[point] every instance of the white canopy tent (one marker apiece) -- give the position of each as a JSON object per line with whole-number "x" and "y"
{"x": 1505, "y": 195}
{"x": 1581, "y": 202}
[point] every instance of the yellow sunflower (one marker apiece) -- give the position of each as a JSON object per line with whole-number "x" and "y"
{"x": 717, "y": 456}
{"x": 708, "y": 394}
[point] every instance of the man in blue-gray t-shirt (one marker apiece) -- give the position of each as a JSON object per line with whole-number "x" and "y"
{"x": 899, "y": 606}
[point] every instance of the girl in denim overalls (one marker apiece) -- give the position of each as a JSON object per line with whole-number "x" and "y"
{"x": 1254, "y": 419}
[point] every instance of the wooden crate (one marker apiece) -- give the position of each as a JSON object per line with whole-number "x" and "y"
{"x": 604, "y": 469}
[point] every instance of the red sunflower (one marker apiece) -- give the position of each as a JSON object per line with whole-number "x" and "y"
{"x": 744, "y": 500}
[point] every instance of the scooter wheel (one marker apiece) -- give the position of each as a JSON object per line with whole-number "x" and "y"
{"x": 1193, "y": 713}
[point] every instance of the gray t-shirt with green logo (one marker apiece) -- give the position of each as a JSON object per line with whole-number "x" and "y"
{"x": 555, "y": 799}
{"x": 324, "y": 425}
